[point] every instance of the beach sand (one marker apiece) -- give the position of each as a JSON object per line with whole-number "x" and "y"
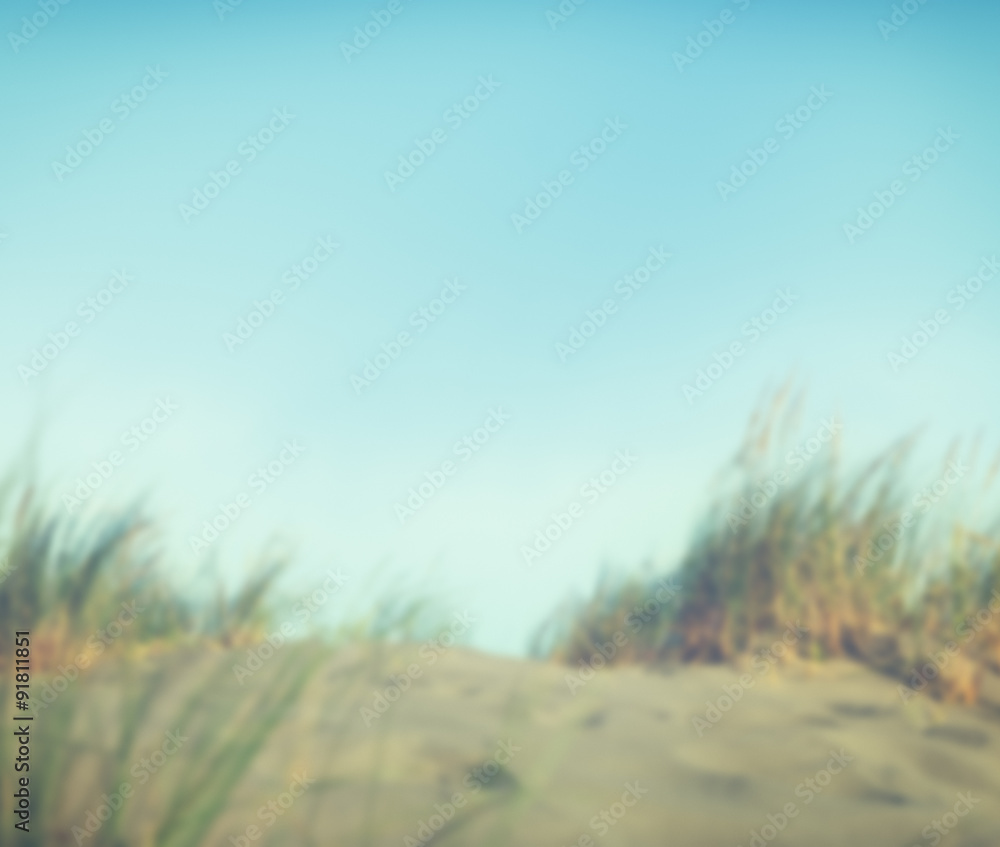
{"x": 829, "y": 751}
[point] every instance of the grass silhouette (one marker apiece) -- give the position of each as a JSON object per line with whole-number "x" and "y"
{"x": 824, "y": 549}
{"x": 869, "y": 575}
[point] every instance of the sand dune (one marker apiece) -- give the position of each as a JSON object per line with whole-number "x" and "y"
{"x": 480, "y": 750}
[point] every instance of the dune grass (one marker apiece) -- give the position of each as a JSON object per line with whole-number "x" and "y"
{"x": 867, "y": 562}
{"x": 64, "y": 579}
{"x": 824, "y": 548}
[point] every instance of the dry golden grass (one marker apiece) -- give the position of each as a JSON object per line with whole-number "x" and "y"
{"x": 802, "y": 556}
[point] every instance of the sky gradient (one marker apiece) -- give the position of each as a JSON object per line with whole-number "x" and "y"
{"x": 628, "y": 140}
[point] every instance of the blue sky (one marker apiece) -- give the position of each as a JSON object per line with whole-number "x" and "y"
{"x": 655, "y": 186}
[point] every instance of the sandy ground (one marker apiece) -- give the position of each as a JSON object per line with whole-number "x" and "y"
{"x": 480, "y": 750}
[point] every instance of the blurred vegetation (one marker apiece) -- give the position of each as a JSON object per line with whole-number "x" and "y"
{"x": 67, "y": 580}
{"x": 873, "y": 570}
{"x": 766, "y": 555}
{"x": 64, "y": 579}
